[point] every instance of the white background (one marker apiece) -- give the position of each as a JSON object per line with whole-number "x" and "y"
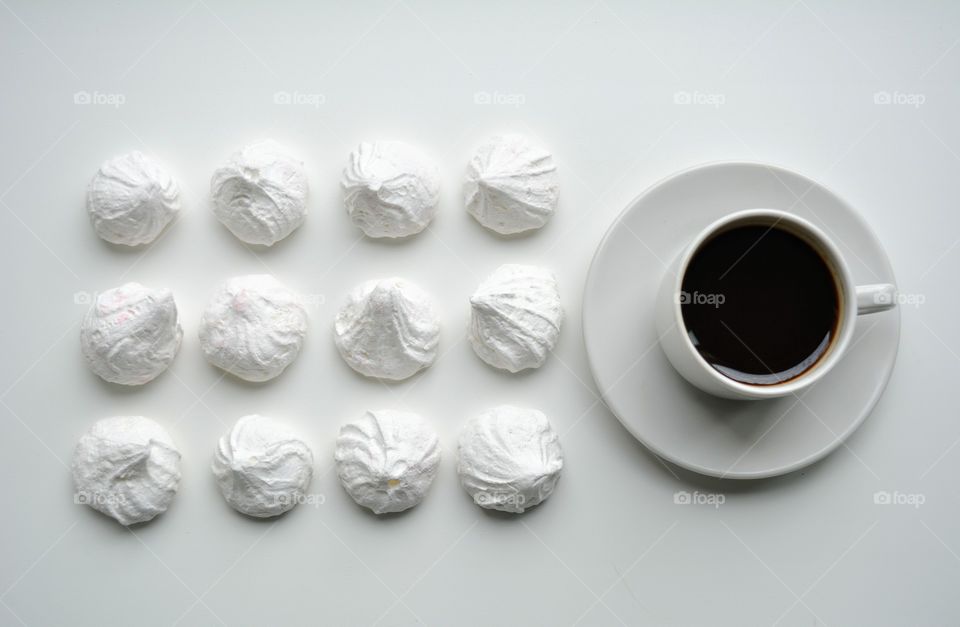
{"x": 795, "y": 81}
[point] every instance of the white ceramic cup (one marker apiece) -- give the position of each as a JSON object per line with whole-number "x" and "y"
{"x": 854, "y": 300}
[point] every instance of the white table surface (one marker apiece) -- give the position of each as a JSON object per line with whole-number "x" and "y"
{"x": 790, "y": 82}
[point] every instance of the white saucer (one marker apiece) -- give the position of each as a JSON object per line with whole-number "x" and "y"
{"x": 712, "y": 436}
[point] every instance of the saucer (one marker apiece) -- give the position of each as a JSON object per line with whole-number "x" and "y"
{"x": 678, "y": 422}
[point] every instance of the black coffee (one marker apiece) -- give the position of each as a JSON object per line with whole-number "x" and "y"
{"x": 760, "y": 304}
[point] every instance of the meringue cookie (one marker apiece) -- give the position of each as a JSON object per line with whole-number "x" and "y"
{"x": 510, "y": 459}
{"x": 387, "y": 460}
{"x": 263, "y": 468}
{"x": 516, "y": 317}
{"x": 260, "y": 194}
{"x": 387, "y": 329}
{"x": 131, "y": 199}
{"x": 126, "y": 467}
{"x": 511, "y": 185}
{"x": 253, "y": 327}
{"x": 390, "y": 189}
{"x": 131, "y": 334}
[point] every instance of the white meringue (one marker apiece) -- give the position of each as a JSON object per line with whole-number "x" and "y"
{"x": 511, "y": 185}
{"x": 126, "y": 467}
{"x": 390, "y": 189}
{"x": 510, "y": 458}
{"x": 263, "y": 468}
{"x": 388, "y": 329}
{"x": 131, "y": 334}
{"x": 260, "y": 194}
{"x": 387, "y": 460}
{"x": 131, "y": 199}
{"x": 515, "y": 317}
{"x": 253, "y": 327}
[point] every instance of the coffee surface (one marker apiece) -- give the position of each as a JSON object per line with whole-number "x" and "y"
{"x": 760, "y": 304}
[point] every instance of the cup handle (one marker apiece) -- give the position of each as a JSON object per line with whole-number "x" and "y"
{"x": 874, "y": 298}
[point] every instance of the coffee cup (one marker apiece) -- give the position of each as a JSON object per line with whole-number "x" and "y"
{"x": 761, "y": 304}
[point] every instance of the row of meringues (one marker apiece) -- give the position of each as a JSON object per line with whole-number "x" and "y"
{"x": 254, "y": 327}
{"x": 390, "y": 189}
{"x": 509, "y": 459}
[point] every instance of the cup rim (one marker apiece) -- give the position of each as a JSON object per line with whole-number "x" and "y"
{"x": 845, "y": 324}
